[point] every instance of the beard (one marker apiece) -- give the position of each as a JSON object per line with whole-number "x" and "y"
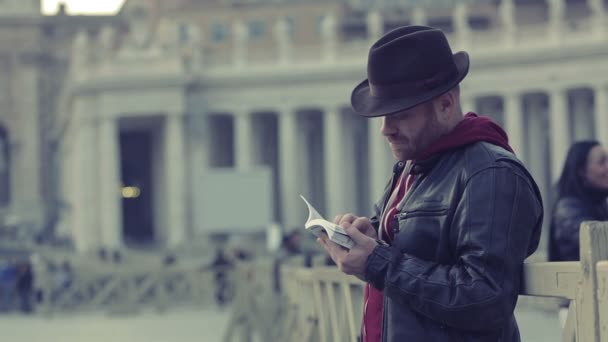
{"x": 409, "y": 148}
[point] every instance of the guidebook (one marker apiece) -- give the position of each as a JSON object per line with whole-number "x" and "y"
{"x": 317, "y": 224}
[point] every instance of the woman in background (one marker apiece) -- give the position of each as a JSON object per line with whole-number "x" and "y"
{"x": 582, "y": 193}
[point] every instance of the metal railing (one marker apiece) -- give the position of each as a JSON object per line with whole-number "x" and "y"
{"x": 127, "y": 288}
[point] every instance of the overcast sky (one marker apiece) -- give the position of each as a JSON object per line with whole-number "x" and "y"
{"x": 83, "y": 6}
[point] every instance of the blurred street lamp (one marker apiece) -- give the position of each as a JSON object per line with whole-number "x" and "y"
{"x": 130, "y": 192}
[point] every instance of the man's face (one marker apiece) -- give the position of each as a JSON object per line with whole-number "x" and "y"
{"x": 410, "y": 132}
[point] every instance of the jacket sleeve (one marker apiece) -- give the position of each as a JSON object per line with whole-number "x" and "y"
{"x": 495, "y": 226}
{"x": 568, "y": 215}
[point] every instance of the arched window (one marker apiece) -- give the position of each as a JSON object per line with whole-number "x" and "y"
{"x": 5, "y": 168}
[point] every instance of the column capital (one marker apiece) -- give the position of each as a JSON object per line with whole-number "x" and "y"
{"x": 334, "y": 106}
{"x": 177, "y": 112}
{"x": 599, "y": 86}
{"x": 557, "y": 90}
{"x": 511, "y": 94}
{"x": 240, "y": 112}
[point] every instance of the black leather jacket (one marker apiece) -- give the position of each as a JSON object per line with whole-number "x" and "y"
{"x": 454, "y": 269}
{"x": 568, "y": 214}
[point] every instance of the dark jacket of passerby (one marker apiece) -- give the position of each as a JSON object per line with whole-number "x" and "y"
{"x": 470, "y": 218}
{"x": 25, "y": 284}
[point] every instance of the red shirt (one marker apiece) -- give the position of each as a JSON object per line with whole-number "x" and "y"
{"x": 373, "y": 299}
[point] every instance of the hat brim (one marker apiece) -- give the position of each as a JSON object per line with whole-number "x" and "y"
{"x": 366, "y": 104}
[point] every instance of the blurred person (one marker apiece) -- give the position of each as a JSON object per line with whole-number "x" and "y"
{"x": 582, "y": 191}
{"x": 170, "y": 259}
{"x": 102, "y": 253}
{"x": 443, "y": 254}
{"x": 25, "y": 286}
{"x": 221, "y": 265}
{"x": 8, "y": 280}
{"x": 117, "y": 257}
{"x": 63, "y": 277}
{"x": 292, "y": 244}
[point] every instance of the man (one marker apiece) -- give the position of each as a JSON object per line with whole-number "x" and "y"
{"x": 443, "y": 254}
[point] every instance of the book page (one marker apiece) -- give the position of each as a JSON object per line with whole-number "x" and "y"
{"x": 317, "y": 224}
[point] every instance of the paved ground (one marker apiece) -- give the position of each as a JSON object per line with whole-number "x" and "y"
{"x": 184, "y": 326}
{"x": 537, "y": 325}
{"x": 176, "y": 326}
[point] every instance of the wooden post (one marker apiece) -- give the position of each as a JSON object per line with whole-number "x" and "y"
{"x": 593, "y": 248}
{"x": 602, "y": 298}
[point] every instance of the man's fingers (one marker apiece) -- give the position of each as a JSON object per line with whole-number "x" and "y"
{"x": 347, "y": 220}
{"x": 364, "y": 225}
{"x": 335, "y": 251}
{"x": 337, "y": 219}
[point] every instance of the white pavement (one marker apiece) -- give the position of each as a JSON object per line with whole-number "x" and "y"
{"x": 183, "y": 325}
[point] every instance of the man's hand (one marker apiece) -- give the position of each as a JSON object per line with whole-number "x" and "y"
{"x": 363, "y": 224}
{"x": 351, "y": 261}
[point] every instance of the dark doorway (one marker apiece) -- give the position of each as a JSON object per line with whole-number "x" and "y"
{"x": 136, "y": 168}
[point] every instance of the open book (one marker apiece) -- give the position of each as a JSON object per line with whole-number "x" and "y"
{"x": 317, "y": 224}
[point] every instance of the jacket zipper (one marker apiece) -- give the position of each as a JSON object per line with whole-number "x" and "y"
{"x": 410, "y": 214}
{"x": 419, "y": 213}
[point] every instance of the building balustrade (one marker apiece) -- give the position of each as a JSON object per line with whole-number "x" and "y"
{"x": 503, "y": 35}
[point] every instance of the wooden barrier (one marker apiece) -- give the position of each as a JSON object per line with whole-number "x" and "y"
{"x": 323, "y": 304}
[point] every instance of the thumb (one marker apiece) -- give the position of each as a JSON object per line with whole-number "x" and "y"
{"x": 355, "y": 234}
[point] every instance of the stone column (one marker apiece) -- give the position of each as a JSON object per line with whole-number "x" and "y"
{"x": 461, "y": 24}
{"x": 289, "y": 168}
{"x": 581, "y": 117}
{"x": 419, "y": 16}
{"x": 240, "y": 40}
{"x": 507, "y": 17}
{"x": 601, "y": 113}
{"x": 175, "y": 173}
{"x": 514, "y": 123}
{"x": 26, "y": 189}
{"x": 84, "y": 197}
{"x": 375, "y": 25}
{"x": 329, "y": 32}
{"x": 110, "y": 182}
{"x": 199, "y": 162}
{"x": 539, "y": 152}
{"x": 560, "y": 134}
{"x": 557, "y": 13}
{"x": 340, "y": 185}
{"x": 381, "y": 160}
{"x": 244, "y": 141}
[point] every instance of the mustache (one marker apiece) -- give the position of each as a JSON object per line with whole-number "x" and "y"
{"x": 397, "y": 140}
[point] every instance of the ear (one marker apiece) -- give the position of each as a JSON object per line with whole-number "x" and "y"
{"x": 446, "y": 104}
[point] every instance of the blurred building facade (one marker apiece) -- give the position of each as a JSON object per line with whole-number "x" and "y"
{"x": 34, "y": 57}
{"x": 143, "y": 103}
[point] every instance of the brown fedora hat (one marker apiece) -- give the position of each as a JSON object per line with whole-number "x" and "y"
{"x": 406, "y": 67}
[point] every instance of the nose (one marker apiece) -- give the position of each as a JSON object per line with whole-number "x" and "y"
{"x": 387, "y": 128}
